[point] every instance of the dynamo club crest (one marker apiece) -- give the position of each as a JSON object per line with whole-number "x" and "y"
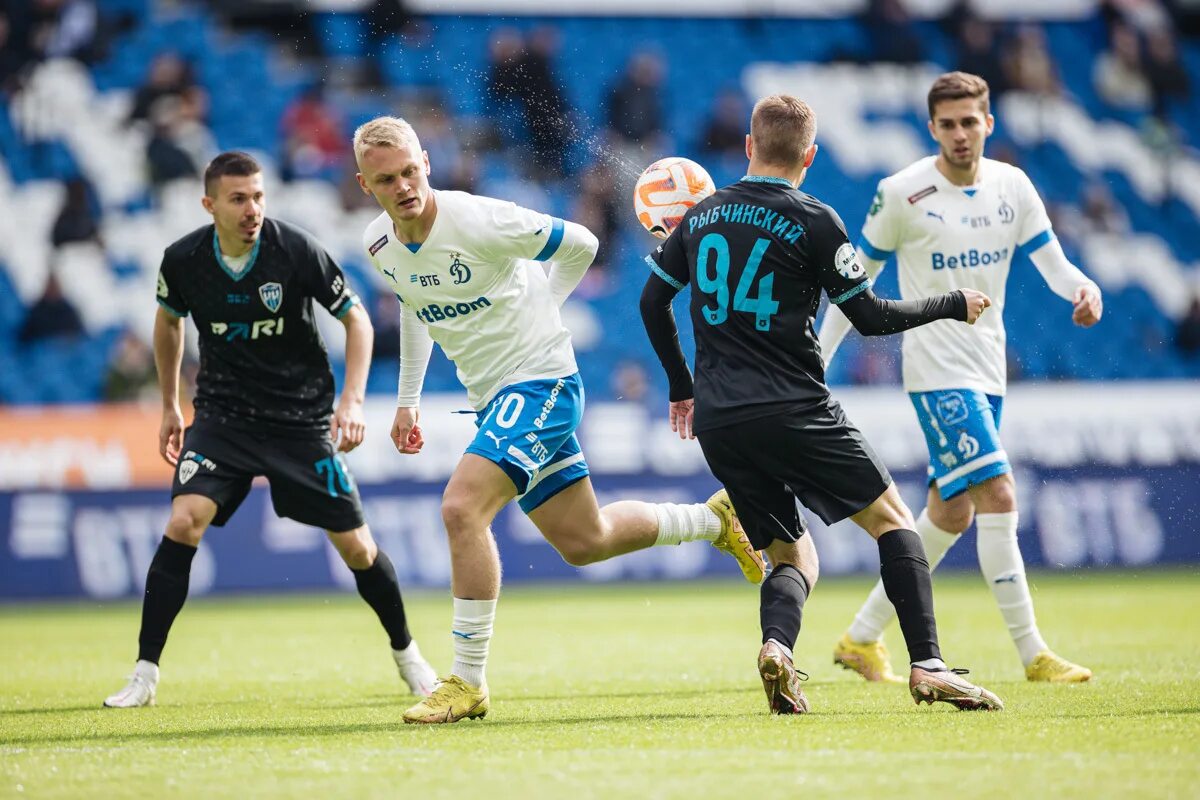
{"x": 187, "y": 470}
{"x": 272, "y": 295}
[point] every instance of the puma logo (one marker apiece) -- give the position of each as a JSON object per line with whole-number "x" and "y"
{"x": 495, "y": 438}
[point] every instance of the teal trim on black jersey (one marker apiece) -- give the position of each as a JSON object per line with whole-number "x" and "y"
{"x": 237, "y": 276}
{"x": 345, "y": 309}
{"x": 768, "y": 179}
{"x": 659, "y": 272}
{"x": 857, "y": 290}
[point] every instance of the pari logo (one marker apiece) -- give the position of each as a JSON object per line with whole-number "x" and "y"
{"x": 190, "y": 464}
{"x": 272, "y": 295}
{"x": 460, "y": 271}
{"x": 233, "y": 331}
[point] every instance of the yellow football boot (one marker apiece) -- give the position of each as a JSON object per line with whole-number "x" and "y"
{"x": 733, "y": 539}
{"x": 1051, "y": 668}
{"x": 869, "y": 659}
{"x": 452, "y": 700}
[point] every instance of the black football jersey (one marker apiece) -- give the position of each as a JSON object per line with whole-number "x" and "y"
{"x": 757, "y": 255}
{"x": 263, "y": 364}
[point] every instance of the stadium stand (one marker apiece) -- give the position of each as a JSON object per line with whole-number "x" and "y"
{"x": 1124, "y": 186}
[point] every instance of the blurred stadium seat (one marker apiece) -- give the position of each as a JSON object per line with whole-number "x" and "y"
{"x": 64, "y": 119}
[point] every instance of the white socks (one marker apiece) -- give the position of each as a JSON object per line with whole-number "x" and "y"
{"x": 877, "y": 612}
{"x": 1004, "y": 570}
{"x": 787, "y": 650}
{"x": 409, "y": 655}
{"x": 472, "y": 633}
{"x": 686, "y": 523}
{"x": 148, "y": 671}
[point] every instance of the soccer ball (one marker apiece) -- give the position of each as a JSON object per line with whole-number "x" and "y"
{"x": 666, "y": 190}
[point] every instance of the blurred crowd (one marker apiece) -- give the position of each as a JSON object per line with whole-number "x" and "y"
{"x": 533, "y": 126}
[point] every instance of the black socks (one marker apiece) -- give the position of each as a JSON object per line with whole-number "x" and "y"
{"x": 908, "y": 585}
{"x": 166, "y": 590}
{"x": 781, "y": 604}
{"x": 378, "y": 586}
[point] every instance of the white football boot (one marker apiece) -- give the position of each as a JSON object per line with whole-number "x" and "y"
{"x": 415, "y": 670}
{"x": 141, "y": 689}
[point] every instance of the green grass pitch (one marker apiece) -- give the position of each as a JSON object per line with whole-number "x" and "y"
{"x": 603, "y": 691}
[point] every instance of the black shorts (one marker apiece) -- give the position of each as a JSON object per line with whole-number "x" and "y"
{"x": 310, "y": 481}
{"x": 815, "y": 455}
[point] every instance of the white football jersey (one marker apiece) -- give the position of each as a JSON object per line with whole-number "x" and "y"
{"x": 472, "y": 284}
{"x": 949, "y": 237}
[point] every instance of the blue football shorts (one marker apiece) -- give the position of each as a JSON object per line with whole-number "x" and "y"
{"x": 528, "y": 430}
{"x": 962, "y": 432}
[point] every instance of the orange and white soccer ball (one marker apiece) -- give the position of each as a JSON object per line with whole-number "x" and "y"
{"x": 666, "y": 190}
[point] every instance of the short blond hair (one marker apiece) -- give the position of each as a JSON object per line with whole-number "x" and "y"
{"x": 782, "y": 128}
{"x": 383, "y": 132}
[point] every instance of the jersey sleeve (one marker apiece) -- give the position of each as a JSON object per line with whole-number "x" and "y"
{"x": 522, "y": 233}
{"x": 669, "y": 261}
{"x": 327, "y": 281}
{"x": 835, "y": 259}
{"x": 169, "y": 295}
{"x": 1033, "y": 223}
{"x": 883, "y": 227}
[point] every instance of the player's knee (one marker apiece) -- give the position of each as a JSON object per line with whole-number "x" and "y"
{"x": 801, "y": 555}
{"x": 356, "y": 547}
{"x": 579, "y": 552}
{"x": 998, "y": 494}
{"x": 185, "y": 526}
{"x": 459, "y": 514}
{"x": 953, "y": 516}
{"x": 888, "y": 513}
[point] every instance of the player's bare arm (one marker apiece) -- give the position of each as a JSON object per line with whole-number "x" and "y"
{"x": 348, "y": 420}
{"x": 168, "y": 355}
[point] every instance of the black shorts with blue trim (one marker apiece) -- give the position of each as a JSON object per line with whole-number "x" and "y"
{"x": 811, "y": 453}
{"x": 309, "y": 479}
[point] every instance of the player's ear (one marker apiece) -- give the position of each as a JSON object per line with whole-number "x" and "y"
{"x": 991, "y": 124}
{"x": 810, "y": 155}
{"x": 932, "y": 132}
{"x": 362, "y": 182}
{"x": 749, "y": 147}
{"x": 207, "y": 202}
{"x": 425, "y": 156}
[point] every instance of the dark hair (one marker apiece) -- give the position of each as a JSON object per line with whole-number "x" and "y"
{"x": 233, "y": 162}
{"x": 782, "y": 127}
{"x": 956, "y": 86}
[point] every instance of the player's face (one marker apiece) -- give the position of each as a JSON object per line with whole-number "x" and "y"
{"x": 398, "y": 179}
{"x": 960, "y": 128}
{"x": 237, "y": 206}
